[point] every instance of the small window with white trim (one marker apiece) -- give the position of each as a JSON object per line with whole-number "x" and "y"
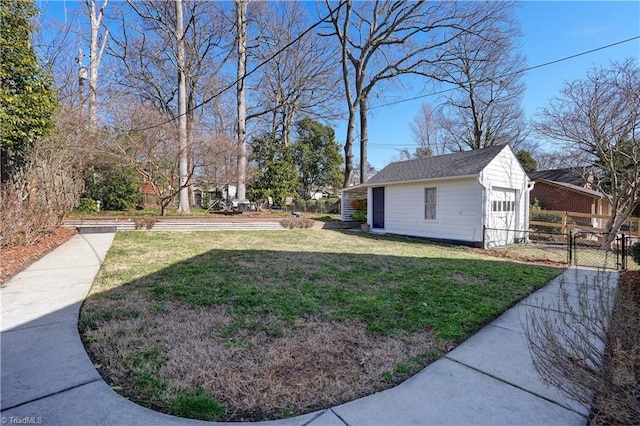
{"x": 430, "y": 203}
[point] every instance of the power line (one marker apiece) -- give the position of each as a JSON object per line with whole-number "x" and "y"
{"x": 566, "y": 58}
{"x": 256, "y": 68}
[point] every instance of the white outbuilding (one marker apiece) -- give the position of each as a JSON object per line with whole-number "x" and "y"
{"x": 478, "y": 198}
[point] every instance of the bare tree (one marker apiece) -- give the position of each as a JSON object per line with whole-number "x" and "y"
{"x": 184, "y": 38}
{"x": 597, "y": 119}
{"x": 545, "y": 159}
{"x": 484, "y": 68}
{"x": 55, "y": 52}
{"x": 138, "y": 140}
{"x": 241, "y": 22}
{"x": 183, "y": 152}
{"x": 381, "y": 41}
{"x": 96, "y": 52}
{"x": 425, "y": 133}
{"x": 299, "y": 80}
{"x": 215, "y": 146}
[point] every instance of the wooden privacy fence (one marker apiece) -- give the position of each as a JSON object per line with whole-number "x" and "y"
{"x": 573, "y": 220}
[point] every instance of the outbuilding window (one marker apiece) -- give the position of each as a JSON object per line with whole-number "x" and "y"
{"x": 430, "y": 203}
{"x": 503, "y": 206}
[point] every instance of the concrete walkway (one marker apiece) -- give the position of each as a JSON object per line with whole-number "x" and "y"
{"x": 47, "y": 377}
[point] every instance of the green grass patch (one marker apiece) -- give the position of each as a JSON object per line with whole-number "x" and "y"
{"x": 195, "y": 403}
{"x": 393, "y": 285}
{"x": 267, "y": 283}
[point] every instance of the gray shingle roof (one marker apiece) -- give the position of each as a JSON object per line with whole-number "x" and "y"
{"x": 570, "y": 176}
{"x": 464, "y": 163}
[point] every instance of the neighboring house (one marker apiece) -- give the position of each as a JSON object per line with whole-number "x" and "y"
{"x": 150, "y": 199}
{"x": 449, "y": 198}
{"x": 320, "y": 193}
{"x": 226, "y": 193}
{"x": 570, "y": 190}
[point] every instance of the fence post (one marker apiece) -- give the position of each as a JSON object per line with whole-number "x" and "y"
{"x": 570, "y": 248}
{"x": 484, "y": 233}
{"x": 624, "y": 253}
{"x": 564, "y": 222}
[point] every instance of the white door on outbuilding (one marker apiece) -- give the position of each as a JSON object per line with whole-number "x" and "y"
{"x": 502, "y": 217}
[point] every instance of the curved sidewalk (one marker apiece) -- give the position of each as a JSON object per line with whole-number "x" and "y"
{"x": 47, "y": 377}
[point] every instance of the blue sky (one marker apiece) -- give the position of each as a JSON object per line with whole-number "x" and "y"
{"x": 551, "y": 30}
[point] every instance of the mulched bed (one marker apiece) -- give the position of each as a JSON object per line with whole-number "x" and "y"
{"x": 14, "y": 259}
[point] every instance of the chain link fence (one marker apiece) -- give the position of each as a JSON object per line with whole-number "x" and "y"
{"x": 576, "y": 247}
{"x": 595, "y": 249}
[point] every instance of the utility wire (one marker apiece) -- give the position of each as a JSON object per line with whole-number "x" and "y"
{"x": 566, "y": 58}
{"x": 315, "y": 25}
{"x": 256, "y": 68}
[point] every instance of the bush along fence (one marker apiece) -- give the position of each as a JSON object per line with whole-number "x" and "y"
{"x": 575, "y": 247}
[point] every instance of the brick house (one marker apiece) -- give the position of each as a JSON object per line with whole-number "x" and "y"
{"x": 570, "y": 190}
{"x": 150, "y": 199}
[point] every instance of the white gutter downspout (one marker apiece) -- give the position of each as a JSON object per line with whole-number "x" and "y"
{"x": 528, "y": 203}
{"x": 484, "y": 209}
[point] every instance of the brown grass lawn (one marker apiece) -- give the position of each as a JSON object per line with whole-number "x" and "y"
{"x": 261, "y": 325}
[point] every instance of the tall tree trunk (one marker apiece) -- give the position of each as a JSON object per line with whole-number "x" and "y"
{"x": 274, "y": 120}
{"x": 364, "y": 138}
{"x": 241, "y": 18}
{"x": 351, "y": 124}
{"x": 183, "y": 159}
{"x": 288, "y": 114}
{"x": 477, "y": 126}
{"x": 348, "y": 148}
{"x": 94, "y": 61}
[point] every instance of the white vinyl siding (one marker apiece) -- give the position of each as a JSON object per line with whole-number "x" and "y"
{"x": 347, "y": 208}
{"x": 464, "y": 206}
{"x": 458, "y": 216}
{"x": 431, "y": 203}
{"x": 507, "y": 198}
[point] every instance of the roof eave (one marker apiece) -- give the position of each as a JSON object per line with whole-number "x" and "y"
{"x": 401, "y": 182}
{"x": 354, "y": 187}
{"x": 585, "y": 191}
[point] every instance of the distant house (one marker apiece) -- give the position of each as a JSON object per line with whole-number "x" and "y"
{"x": 150, "y": 198}
{"x": 449, "y": 198}
{"x": 319, "y": 193}
{"x": 203, "y": 194}
{"x": 570, "y": 190}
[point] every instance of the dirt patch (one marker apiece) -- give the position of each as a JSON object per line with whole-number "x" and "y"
{"x": 277, "y": 370}
{"x": 17, "y": 257}
{"x": 519, "y": 257}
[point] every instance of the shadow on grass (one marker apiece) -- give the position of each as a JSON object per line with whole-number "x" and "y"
{"x": 352, "y": 307}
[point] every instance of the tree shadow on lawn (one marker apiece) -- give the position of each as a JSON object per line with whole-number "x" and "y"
{"x": 258, "y": 334}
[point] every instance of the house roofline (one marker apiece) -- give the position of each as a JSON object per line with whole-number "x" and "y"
{"x": 354, "y": 187}
{"x": 575, "y": 188}
{"x": 400, "y": 182}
